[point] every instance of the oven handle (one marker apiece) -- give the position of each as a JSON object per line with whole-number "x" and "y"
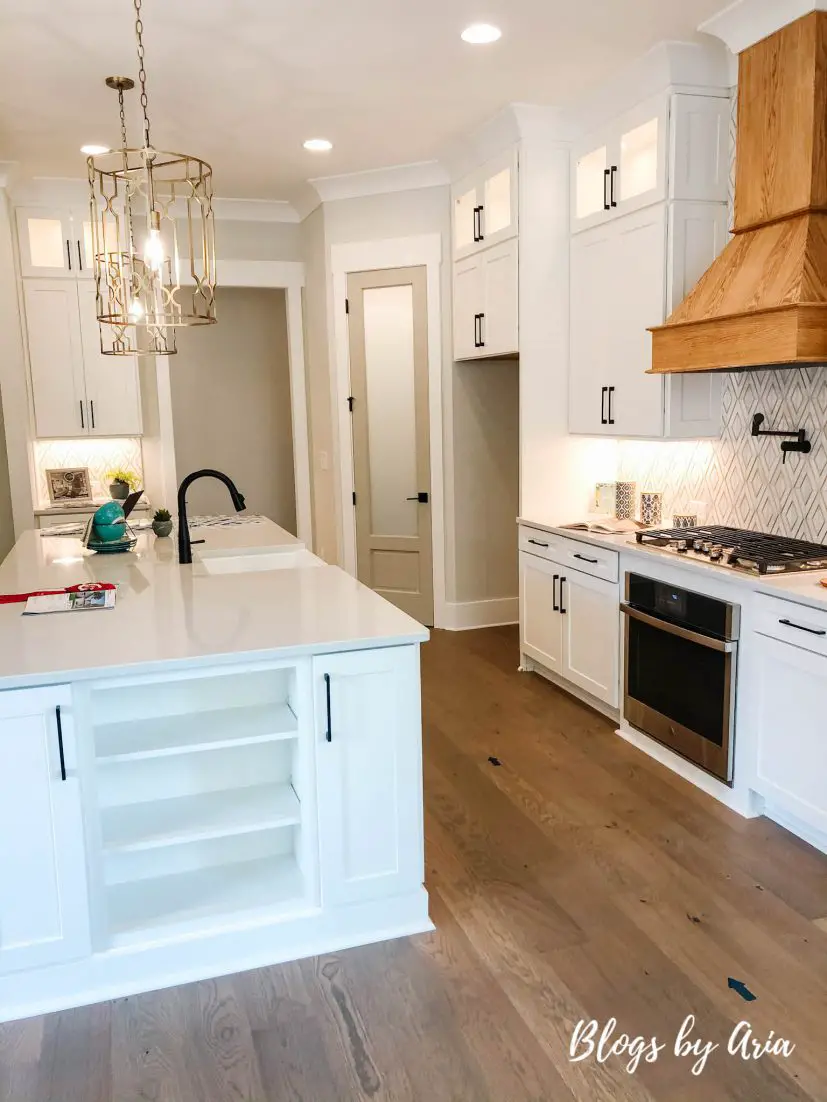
{"x": 675, "y": 629}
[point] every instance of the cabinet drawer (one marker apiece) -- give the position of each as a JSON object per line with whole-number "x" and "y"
{"x": 597, "y": 561}
{"x": 792, "y": 623}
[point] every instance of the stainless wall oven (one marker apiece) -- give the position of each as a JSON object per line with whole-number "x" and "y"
{"x": 681, "y": 653}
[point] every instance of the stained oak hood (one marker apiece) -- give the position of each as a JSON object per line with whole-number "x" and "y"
{"x": 764, "y": 300}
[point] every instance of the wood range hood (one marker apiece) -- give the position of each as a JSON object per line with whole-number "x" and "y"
{"x": 764, "y": 299}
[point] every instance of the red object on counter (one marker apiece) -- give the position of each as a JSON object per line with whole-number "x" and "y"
{"x": 82, "y": 587}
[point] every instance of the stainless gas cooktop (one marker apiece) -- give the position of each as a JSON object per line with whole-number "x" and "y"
{"x": 737, "y": 548}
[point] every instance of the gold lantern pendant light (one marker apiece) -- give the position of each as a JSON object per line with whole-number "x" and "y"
{"x": 147, "y": 206}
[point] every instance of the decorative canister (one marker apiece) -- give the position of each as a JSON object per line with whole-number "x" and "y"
{"x": 684, "y": 520}
{"x": 604, "y": 497}
{"x": 625, "y": 500}
{"x": 651, "y": 507}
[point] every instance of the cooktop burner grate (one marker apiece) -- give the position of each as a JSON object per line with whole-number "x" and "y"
{"x": 758, "y": 551}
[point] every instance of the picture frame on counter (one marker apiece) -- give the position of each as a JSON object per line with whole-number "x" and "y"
{"x": 68, "y": 485}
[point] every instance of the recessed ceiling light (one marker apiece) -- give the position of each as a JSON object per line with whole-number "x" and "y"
{"x": 93, "y": 150}
{"x": 318, "y": 145}
{"x": 481, "y": 33}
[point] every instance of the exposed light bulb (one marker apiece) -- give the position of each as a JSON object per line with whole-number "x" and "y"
{"x": 154, "y": 250}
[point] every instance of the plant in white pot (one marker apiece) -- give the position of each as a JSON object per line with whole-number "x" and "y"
{"x": 162, "y": 522}
{"x": 121, "y": 483}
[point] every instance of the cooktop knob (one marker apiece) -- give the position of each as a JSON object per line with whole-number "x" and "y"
{"x": 697, "y": 545}
{"x": 706, "y": 547}
{"x": 715, "y": 553}
{"x": 681, "y": 546}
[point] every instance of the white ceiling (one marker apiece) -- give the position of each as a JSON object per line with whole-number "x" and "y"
{"x": 243, "y": 82}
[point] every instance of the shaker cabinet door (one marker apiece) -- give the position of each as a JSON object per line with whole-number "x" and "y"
{"x": 112, "y": 385}
{"x": 55, "y": 357}
{"x": 44, "y": 909}
{"x": 369, "y": 768}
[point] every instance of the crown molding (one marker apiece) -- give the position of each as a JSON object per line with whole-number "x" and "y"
{"x": 469, "y": 151}
{"x": 378, "y": 181}
{"x": 304, "y": 199}
{"x": 746, "y": 22}
{"x": 254, "y": 210}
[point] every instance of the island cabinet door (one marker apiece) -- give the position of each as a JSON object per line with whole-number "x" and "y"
{"x": 44, "y": 910}
{"x": 369, "y": 764}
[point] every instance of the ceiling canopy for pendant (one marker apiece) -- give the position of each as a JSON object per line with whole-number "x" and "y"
{"x": 153, "y": 236}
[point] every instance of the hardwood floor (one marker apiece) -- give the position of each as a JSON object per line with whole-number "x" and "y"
{"x": 577, "y": 879}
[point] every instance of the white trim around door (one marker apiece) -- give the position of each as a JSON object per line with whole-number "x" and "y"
{"x": 289, "y": 275}
{"x": 366, "y": 256}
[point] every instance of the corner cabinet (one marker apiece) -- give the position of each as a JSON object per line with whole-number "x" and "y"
{"x": 44, "y": 908}
{"x": 76, "y": 390}
{"x": 369, "y": 771}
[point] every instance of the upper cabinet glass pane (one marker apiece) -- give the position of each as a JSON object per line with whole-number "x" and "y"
{"x": 464, "y": 219}
{"x": 497, "y": 203}
{"x": 639, "y": 160}
{"x": 590, "y": 182}
{"x": 46, "y": 243}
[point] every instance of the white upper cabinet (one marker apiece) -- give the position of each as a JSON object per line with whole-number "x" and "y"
{"x": 667, "y": 147}
{"x": 44, "y": 909}
{"x": 55, "y": 242}
{"x": 486, "y": 303}
{"x": 76, "y": 390}
{"x": 485, "y": 206}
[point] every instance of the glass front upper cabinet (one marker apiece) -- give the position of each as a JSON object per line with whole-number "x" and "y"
{"x": 485, "y": 206}
{"x": 55, "y": 242}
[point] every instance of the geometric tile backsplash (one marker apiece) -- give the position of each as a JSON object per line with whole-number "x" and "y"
{"x": 99, "y": 454}
{"x": 741, "y": 477}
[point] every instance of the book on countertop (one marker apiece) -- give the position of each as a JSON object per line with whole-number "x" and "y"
{"x": 76, "y": 598}
{"x": 607, "y": 526}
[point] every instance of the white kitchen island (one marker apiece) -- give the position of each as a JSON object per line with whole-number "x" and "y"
{"x": 222, "y": 772}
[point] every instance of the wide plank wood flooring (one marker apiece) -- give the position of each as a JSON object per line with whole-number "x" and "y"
{"x": 577, "y": 879}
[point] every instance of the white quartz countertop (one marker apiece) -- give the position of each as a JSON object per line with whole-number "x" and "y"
{"x": 802, "y": 587}
{"x": 167, "y": 613}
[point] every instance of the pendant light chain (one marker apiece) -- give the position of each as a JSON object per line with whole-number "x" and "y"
{"x": 139, "y": 34}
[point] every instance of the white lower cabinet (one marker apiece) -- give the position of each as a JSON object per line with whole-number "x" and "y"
{"x": 790, "y": 709}
{"x": 44, "y": 908}
{"x": 570, "y": 624}
{"x": 369, "y": 771}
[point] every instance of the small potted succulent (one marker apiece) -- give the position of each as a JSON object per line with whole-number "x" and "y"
{"x": 161, "y": 522}
{"x": 121, "y": 483}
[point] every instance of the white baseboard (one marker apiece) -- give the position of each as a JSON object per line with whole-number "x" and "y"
{"x": 463, "y": 615}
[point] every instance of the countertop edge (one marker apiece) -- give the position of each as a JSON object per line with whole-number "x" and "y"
{"x": 625, "y": 544}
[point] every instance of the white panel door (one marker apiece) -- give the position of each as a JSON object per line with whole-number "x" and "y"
{"x": 112, "y": 388}
{"x": 590, "y": 172}
{"x": 469, "y": 295}
{"x": 466, "y": 217}
{"x": 638, "y": 300}
{"x": 791, "y": 686}
{"x": 499, "y": 334}
{"x": 541, "y": 625}
{"x": 47, "y": 242}
{"x": 369, "y": 768}
{"x": 499, "y": 199}
{"x": 44, "y": 909}
{"x": 590, "y": 615}
{"x": 591, "y": 310}
{"x": 699, "y": 154}
{"x": 55, "y": 357}
{"x": 637, "y": 174}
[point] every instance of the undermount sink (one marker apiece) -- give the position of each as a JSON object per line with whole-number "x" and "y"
{"x": 254, "y": 560}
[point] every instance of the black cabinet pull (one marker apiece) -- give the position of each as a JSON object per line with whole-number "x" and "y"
{"x": 476, "y": 238}
{"x": 482, "y": 319}
{"x": 563, "y": 610}
{"x": 585, "y": 558}
{"x": 80, "y": 258}
{"x": 800, "y": 627}
{"x": 611, "y": 415}
{"x": 329, "y": 732}
{"x": 60, "y": 743}
{"x": 92, "y": 408}
{"x": 477, "y": 223}
{"x": 606, "y": 172}
{"x": 555, "y": 607}
{"x": 476, "y": 331}
{"x": 603, "y": 420}
{"x": 612, "y": 174}
{"x": 82, "y": 422}
{"x": 69, "y": 254}
{"x": 538, "y": 543}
